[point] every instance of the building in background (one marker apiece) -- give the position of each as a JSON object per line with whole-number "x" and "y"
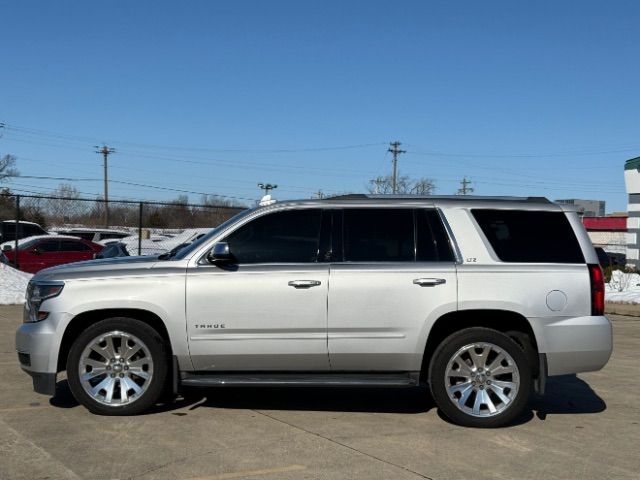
{"x": 609, "y": 233}
{"x": 632, "y": 184}
{"x": 587, "y": 208}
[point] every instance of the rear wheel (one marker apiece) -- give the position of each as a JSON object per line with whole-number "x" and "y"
{"x": 480, "y": 377}
{"x": 117, "y": 366}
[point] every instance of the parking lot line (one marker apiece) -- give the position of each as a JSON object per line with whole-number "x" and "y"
{"x": 252, "y": 473}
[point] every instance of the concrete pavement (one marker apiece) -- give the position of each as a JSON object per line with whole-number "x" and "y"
{"x": 587, "y": 426}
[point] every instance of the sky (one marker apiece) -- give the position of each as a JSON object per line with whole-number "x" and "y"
{"x": 202, "y": 97}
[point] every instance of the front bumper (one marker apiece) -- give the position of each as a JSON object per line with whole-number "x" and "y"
{"x": 36, "y": 344}
{"x": 574, "y": 345}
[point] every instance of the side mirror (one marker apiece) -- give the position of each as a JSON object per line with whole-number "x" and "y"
{"x": 7, "y": 248}
{"x": 220, "y": 253}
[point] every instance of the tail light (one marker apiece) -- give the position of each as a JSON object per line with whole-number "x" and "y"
{"x": 597, "y": 289}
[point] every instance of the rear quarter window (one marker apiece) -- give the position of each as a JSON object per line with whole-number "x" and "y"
{"x": 530, "y": 236}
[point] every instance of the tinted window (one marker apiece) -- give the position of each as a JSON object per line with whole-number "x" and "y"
{"x": 85, "y": 235}
{"x": 282, "y": 237}
{"x": 432, "y": 242}
{"x": 527, "y": 236}
{"x": 71, "y": 246}
{"x": 378, "y": 235}
{"x": 48, "y": 246}
{"x": 104, "y": 236}
{"x": 30, "y": 230}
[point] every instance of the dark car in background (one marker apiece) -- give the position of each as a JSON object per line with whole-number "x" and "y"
{"x": 25, "y": 229}
{"x": 113, "y": 250}
{"x": 48, "y": 251}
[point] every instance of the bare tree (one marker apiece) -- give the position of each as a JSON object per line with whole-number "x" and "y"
{"x": 423, "y": 186}
{"x": 66, "y": 207}
{"x": 404, "y": 185}
{"x": 6, "y": 167}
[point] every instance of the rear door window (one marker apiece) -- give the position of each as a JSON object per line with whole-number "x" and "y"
{"x": 530, "y": 236}
{"x": 73, "y": 246}
{"x": 432, "y": 241}
{"x": 49, "y": 246}
{"x": 378, "y": 235}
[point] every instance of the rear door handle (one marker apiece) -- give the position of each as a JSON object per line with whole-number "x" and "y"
{"x": 429, "y": 282}
{"x": 304, "y": 283}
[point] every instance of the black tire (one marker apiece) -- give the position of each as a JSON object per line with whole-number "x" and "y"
{"x": 455, "y": 406}
{"x": 156, "y": 348}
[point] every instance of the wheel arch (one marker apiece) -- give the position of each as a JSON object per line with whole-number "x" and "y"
{"x": 85, "y": 319}
{"x": 514, "y": 324}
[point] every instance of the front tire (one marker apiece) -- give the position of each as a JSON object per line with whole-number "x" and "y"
{"x": 480, "y": 377}
{"x": 117, "y": 366}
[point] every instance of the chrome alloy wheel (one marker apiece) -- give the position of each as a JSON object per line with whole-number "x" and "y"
{"x": 482, "y": 379}
{"x": 115, "y": 368}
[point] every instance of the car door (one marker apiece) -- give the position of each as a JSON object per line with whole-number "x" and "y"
{"x": 73, "y": 251}
{"x": 397, "y": 275}
{"x": 268, "y": 310}
{"x": 40, "y": 255}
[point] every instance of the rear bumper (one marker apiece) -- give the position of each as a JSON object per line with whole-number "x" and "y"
{"x": 574, "y": 345}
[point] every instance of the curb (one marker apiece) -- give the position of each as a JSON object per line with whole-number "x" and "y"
{"x": 629, "y": 309}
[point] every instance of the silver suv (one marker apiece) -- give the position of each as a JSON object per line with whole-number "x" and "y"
{"x": 481, "y": 298}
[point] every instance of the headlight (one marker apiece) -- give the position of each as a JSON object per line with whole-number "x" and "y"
{"x": 38, "y": 292}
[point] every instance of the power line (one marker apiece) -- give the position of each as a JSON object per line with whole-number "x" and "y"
{"x": 77, "y": 138}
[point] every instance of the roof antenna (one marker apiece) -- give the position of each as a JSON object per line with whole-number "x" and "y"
{"x": 266, "y": 200}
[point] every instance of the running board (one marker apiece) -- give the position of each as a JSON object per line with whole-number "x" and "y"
{"x": 403, "y": 379}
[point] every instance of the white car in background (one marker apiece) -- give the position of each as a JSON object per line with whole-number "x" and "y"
{"x": 98, "y": 235}
{"x": 158, "y": 244}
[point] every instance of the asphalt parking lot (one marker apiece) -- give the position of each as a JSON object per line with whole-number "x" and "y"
{"x": 586, "y": 427}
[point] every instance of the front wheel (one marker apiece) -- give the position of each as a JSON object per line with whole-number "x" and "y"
{"x": 117, "y": 366}
{"x": 480, "y": 377}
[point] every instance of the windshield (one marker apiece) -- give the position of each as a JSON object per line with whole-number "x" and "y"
{"x": 188, "y": 249}
{"x": 28, "y": 243}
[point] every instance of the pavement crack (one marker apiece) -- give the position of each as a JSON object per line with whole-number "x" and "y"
{"x": 336, "y": 442}
{"x": 165, "y": 465}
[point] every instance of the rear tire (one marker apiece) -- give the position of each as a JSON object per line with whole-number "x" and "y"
{"x": 480, "y": 377}
{"x": 117, "y": 366}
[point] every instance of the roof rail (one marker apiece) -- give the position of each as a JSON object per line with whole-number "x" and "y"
{"x": 364, "y": 196}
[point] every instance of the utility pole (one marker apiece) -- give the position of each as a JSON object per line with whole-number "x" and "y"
{"x": 395, "y": 150}
{"x": 319, "y": 194}
{"x": 465, "y": 190}
{"x": 267, "y": 187}
{"x": 377, "y": 182}
{"x": 105, "y": 151}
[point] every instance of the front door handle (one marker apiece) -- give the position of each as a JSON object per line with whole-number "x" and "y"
{"x": 304, "y": 283}
{"x": 429, "y": 282}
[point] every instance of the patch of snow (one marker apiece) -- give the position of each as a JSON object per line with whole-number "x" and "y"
{"x": 159, "y": 244}
{"x": 623, "y": 287}
{"x": 13, "y": 285}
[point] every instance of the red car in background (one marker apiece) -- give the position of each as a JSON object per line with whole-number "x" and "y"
{"x": 51, "y": 250}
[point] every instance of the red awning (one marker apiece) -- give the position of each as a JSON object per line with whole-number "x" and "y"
{"x": 612, "y": 224}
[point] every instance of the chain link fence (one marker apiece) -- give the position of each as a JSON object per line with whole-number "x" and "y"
{"x": 152, "y": 227}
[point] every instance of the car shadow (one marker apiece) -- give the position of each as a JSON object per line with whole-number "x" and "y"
{"x": 63, "y": 397}
{"x": 329, "y": 399}
{"x": 565, "y": 395}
